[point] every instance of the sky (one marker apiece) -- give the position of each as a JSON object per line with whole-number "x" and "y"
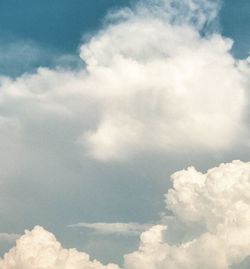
{"x": 103, "y": 107}
{"x": 48, "y": 33}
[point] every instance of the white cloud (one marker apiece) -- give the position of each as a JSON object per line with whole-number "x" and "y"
{"x": 162, "y": 86}
{"x": 224, "y": 189}
{"x": 151, "y": 84}
{"x": 40, "y": 249}
{"x": 163, "y": 91}
{"x": 211, "y": 214}
{"x": 216, "y": 206}
{"x": 113, "y": 228}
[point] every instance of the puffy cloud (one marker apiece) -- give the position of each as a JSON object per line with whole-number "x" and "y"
{"x": 217, "y": 202}
{"x": 225, "y": 190}
{"x": 152, "y": 83}
{"x": 40, "y": 249}
{"x": 113, "y": 228}
{"x": 164, "y": 91}
{"x": 209, "y": 229}
{"x": 161, "y": 84}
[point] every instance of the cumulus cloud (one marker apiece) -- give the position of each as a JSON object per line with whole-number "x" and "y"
{"x": 157, "y": 78}
{"x": 211, "y": 214}
{"x": 161, "y": 84}
{"x": 152, "y": 83}
{"x": 40, "y": 249}
{"x": 162, "y": 92}
{"x": 113, "y": 228}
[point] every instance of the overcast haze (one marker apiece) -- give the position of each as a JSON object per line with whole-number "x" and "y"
{"x": 119, "y": 125}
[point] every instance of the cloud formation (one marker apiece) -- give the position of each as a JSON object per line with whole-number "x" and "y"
{"x": 209, "y": 229}
{"x": 213, "y": 213}
{"x": 164, "y": 91}
{"x": 40, "y": 249}
{"x": 154, "y": 81}
{"x": 152, "y": 84}
{"x": 113, "y": 228}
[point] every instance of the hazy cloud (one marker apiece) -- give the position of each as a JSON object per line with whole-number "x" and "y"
{"x": 113, "y": 228}
{"x": 8, "y": 238}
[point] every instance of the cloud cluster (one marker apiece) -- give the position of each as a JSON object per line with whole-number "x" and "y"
{"x": 39, "y": 249}
{"x": 152, "y": 83}
{"x": 209, "y": 229}
{"x": 213, "y": 213}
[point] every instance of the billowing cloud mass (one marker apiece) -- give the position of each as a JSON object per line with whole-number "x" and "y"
{"x": 158, "y": 78}
{"x": 152, "y": 83}
{"x": 209, "y": 228}
{"x": 165, "y": 93}
{"x": 39, "y": 249}
{"x": 212, "y": 212}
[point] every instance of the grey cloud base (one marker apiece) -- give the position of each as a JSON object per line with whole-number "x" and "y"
{"x": 211, "y": 212}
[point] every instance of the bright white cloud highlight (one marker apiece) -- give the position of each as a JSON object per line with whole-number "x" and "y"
{"x": 209, "y": 229}
{"x": 163, "y": 91}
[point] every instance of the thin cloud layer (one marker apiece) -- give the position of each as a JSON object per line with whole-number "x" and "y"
{"x": 112, "y": 228}
{"x": 152, "y": 84}
{"x": 8, "y": 238}
{"x": 209, "y": 229}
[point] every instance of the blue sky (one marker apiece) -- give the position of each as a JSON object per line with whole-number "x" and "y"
{"x": 50, "y": 29}
{"x": 53, "y": 27}
{"x": 234, "y": 22}
{"x": 55, "y": 24}
{"x": 60, "y": 25}
{"x": 67, "y": 157}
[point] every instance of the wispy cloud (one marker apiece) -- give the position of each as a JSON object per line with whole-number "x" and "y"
{"x": 118, "y": 228}
{"x": 8, "y": 237}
